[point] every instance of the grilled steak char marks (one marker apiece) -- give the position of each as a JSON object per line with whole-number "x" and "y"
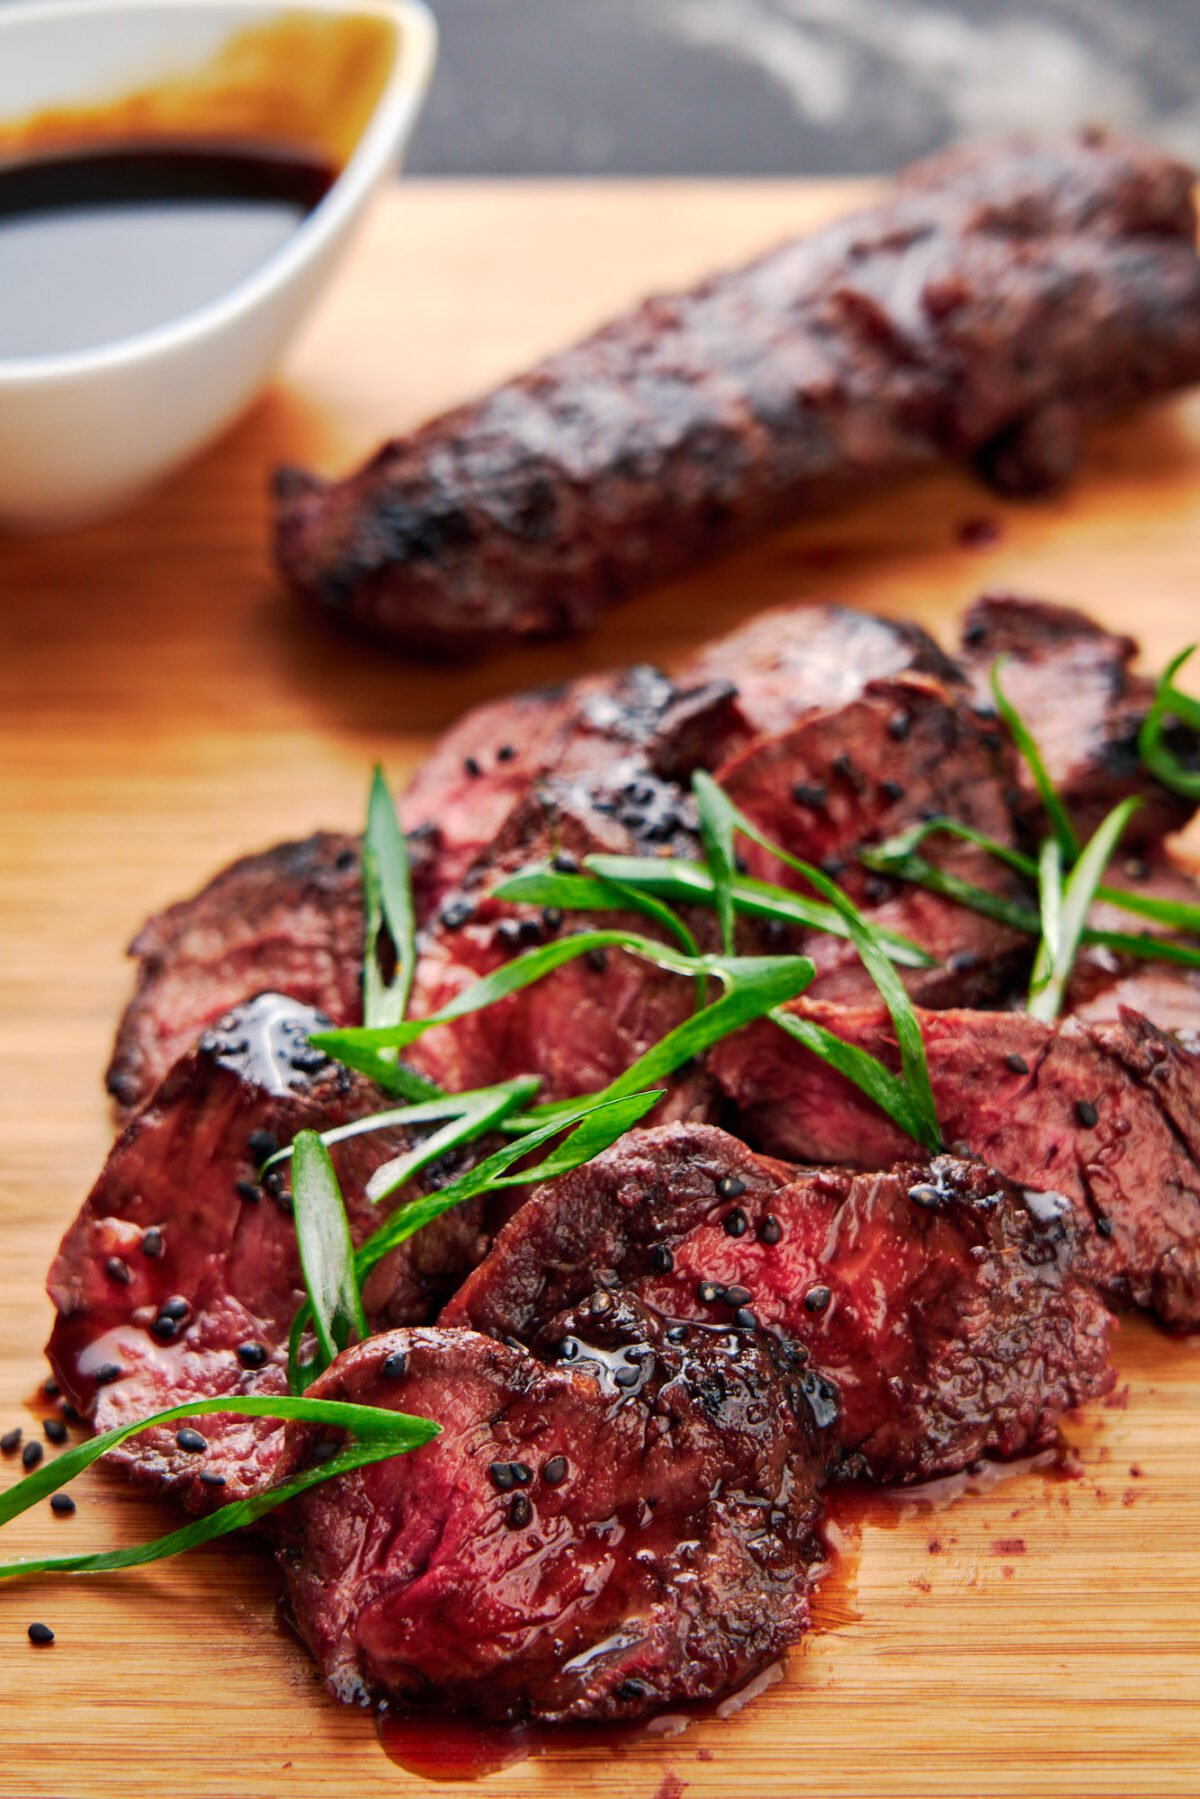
{"x": 1108, "y": 1115}
{"x": 987, "y": 311}
{"x": 943, "y": 1304}
{"x": 180, "y": 1277}
{"x": 576, "y": 1544}
{"x": 1071, "y": 681}
{"x": 845, "y": 778}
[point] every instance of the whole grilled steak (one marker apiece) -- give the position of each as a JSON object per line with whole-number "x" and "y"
{"x": 1108, "y": 1115}
{"x": 589, "y": 1541}
{"x": 940, "y": 1307}
{"x": 1072, "y": 683}
{"x": 997, "y": 302}
{"x": 180, "y": 1276}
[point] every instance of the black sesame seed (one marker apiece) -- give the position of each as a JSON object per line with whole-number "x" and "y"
{"x": 597, "y": 960}
{"x": 678, "y": 1333}
{"x": 251, "y": 1355}
{"x": 1086, "y": 1113}
{"x": 816, "y": 1299}
{"x": 273, "y": 1182}
{"x": 565, "y": 864}
{"x": 396, "y": 1366}
{"x": 456, "y": 913}
{"x": 10, "y": 1442}
{"x": 506, "y": 752}
{"x": 62, "y": 1505}
{"x": 893, "y": 790}
{"x": 522, "y": 1473}
{"x": 552, "y": 917}
{"x": 69, "y": 1412}
{"x": 176, "y": 1308}
{"x": 661, "y": 1259}
{"x": 117, "y": 1269}
{"x": 262, "y": 1145}
{"x": 875, "y": 890}
{"x": 529, "y": 930}
{"x": 502, "y": 1477}
{"x": 731, "y": 1186}
{"x": 106, "y": 1373}
{"x": 554, "y": 1472}
{"x": 843, "y": 765}
{"x": 1136, "y": 869}
{"x": 708, "y": 1293}
{"x": 833, "y": 867}
{"x": 31, "y": 1455}
{"x": 745, "y": 1319}
{"x": 152, "y": 1241}
{"x": 55, "y": 1429}
{"x": 40, "y": 1633}
{"x": 962, "y": 961}
{"x": 164, "y": 1330}
{"x": 51, "y": 1388}
{"x": 770, "y": 1230}
{"x": 737, "y": 1296}
{"x": 471, "y": 767}
{"x": 925, "y": 1195}
{"x": 899, "y": 725}
{"x": 810, "y": 794}
{"x": 1016, "y": 1064}
{"x": 520, "y": 1511}
{"x": 568, "y": 1349}
{"x": 631, "y": 1689}
{"x": 627, "y": 1377}
{"x": 191, "y": 1441}
{"x": 734, "y": 1223}
{"x": 208, "y": 1477}
{"x": 248, "y": 1191}
{"x": 1104, "y": 1225}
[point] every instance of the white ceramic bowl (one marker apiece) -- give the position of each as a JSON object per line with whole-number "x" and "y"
{"x": 82, "y": 434}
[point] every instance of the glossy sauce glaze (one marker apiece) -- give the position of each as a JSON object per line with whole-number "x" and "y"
{"x": 101, "y": 243}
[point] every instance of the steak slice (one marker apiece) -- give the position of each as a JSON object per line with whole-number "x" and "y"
{"x": 583, "y": 1025}
{"x": 289, "y": 920}
{"x": 1108, "y": 1115}
{"x": 849, "y": 776}
{"x": 1104, "y": 983}
{"x": 805, "y": 658}
{"x": 180, "y": 1276}
{"x": 485, "y": 767}
{"x": 1072, "y": 683}
{"x": 592, "y": 1541}
{"x": 942, "y": 1302}
{"x": 991, "y": 308}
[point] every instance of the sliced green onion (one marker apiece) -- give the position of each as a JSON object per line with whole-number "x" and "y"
{"x": 326, "y": 1257}
{"x": 1065, "y": 906}
{"x": 887, "y": 1090}
{"x": 1169, "y": 702}
{"x": 716, "y": 834}
{"x": 543, "y": 885}
{"x": 1018, "y": 730}
{"x": 379, "y": 1433}
{"x": 387, "y": 893}
{"x": 487, "y": 1109}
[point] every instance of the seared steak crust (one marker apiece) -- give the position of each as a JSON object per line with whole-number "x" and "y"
{"x": 944, "y": 1305}
{"x": 589, "y": 1541}
{"x": 988, "y": 310}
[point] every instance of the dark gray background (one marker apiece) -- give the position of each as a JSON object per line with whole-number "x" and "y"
{"x": 775, "y": 87}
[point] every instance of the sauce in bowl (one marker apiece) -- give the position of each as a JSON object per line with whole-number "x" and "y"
{"x": 101, "y": 243}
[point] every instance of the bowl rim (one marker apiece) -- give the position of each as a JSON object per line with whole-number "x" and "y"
{"x": 384, "y": 135}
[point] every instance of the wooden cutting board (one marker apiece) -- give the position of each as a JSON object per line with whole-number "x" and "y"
{"x": 163, "y": 706}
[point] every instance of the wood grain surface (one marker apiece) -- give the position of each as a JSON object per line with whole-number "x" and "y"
{"x": 164, "y": 706}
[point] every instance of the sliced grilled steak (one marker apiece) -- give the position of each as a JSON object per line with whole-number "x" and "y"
{"x": 1109, "y": 1115}
{"x": 943, "y": 1303}
{"x": 805, "y": 658}
{"x": 581, "y": 1026}
{"x": 592, "y": 1541}
{"x": 288, "y": 920}
{"x": 845, "y": 778}
{"x": 1071, "y": 681}
{"x": 180, "y": 1277}
{"x": 485, "y": 767}
{"x": 1103, "y": 983}
{"x": 987, "y": 311}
